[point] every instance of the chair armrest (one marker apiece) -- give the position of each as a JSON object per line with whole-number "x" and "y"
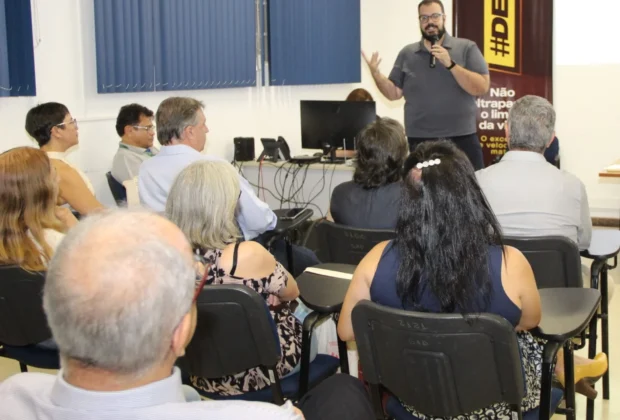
{"x": 566, "y": 312}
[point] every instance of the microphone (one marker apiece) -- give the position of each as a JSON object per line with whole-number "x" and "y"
{"x": 434, "y": 40}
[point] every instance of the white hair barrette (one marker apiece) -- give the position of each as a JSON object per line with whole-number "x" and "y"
{"x": 428, "y": 163}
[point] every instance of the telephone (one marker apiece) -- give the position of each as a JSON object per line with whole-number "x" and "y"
{"x": 274, "y": 150}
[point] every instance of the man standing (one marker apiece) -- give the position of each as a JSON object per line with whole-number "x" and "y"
{"x": 134, "y": 126}
{"x": 439, "y": 76}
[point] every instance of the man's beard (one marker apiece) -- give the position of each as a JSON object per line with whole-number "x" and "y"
{"x": 440, "y": 32}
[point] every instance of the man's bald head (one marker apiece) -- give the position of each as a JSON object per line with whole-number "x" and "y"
{"x": 117, "y": 288}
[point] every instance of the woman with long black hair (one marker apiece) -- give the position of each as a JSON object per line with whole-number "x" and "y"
{"x": 448, "y": 257}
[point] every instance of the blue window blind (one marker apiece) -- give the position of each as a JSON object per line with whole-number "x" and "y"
{"x": 124, "y": 36}
{"x": 16, "y": 50}
{"x": 314, "y": 41}
{"x": 174, "y": 44}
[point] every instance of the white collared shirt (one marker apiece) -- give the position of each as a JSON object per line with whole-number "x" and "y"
{"x": 531, "y": 197}
{"x": 158, "y": 174}
{"x": 36, "y": 396}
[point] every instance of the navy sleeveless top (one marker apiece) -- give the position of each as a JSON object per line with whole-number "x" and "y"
{"x": 383, "y": 287}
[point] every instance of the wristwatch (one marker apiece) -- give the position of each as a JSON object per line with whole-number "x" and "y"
{"x": 451, "y": 65}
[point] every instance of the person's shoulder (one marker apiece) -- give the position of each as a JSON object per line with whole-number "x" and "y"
{"x": 462, "y": 42}
{"x": 23, "y": 384}
{"x": 240, "y": 409}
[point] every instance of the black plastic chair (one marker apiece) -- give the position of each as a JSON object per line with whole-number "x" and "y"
{"x": 555, "y": 260}
{"x": 235, "y": 332}
{"x": 23, "y": 323}
{"x": 347, "y": 245}
{"x": 441, "y": 364}
{"x": 118, "y": 190}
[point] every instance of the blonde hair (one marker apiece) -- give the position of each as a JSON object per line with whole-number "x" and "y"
{"x": 27, "y": 207}
{"x": 202, "y": 203}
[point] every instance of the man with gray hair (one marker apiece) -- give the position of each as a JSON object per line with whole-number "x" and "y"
{"x": 182, "y": 131}
{"x": 119, "y": 301}
{"x": 529, "y": 196}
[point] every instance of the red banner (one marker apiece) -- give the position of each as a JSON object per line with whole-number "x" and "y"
{"x": 516, "y": 39}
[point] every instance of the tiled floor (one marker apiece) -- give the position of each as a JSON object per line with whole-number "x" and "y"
{"x": 605, "y": 410}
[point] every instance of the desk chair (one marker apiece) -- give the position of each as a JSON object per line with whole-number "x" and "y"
{"x": 441, "y": 364}
{"x": 235, "y": 332}
{"x": 118, "y": 190}
{"x": 554, "y": 259}
{"x": 556, "y": 262}
{"x": 22, "y": 321}
{"x": 347, "y": 245}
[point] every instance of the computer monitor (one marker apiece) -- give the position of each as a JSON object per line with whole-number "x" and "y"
{"x": 333, "y": 124}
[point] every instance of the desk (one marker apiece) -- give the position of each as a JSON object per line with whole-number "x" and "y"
{"x": 286, "y": 185}
{"x": 605, "y": 244}
{"x": 566, "y": 312}
{"x": 612, "y": 171}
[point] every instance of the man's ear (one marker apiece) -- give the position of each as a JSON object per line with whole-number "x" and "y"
{"x": 551, "y": 140}
{"x": 127, "y": 130}
{"x": 183, "y": 333}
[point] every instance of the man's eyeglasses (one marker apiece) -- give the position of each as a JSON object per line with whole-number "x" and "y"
{"x": 149, "y": 128}
{"x": 434, "y": 17}
{"x": 202, "y": 283}
{"x": 73, "y": 121}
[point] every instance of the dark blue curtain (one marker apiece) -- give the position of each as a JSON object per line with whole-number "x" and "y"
{"x": 124, "y": 34}
{"x": 314, "y": 41}
{"x": 146, "y": 45}
{"x": 16, "y": 49}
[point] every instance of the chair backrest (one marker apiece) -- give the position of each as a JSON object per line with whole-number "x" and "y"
{"x": 118, "y": 190}
{"x": 441, "y": 364}
{"x": 234, "y": 332}
{"x": 22, "y": 319}
{"x": 347, "y": 245}
{"x": 554, "y": 259}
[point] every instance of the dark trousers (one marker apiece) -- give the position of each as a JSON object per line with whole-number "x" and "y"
{"x": 302, "y": 257}
{"x": 469, "y": 144}
{"x": 337, "y": 397}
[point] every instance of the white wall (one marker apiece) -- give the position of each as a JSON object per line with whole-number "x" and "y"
{"x": 587, "y": 92}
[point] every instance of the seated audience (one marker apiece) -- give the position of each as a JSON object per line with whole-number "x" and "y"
{"x": 56, "y": 131}
{"x": 202, "y": 202}
{"x": 448, "y": 257}
{"x": 529, "y": 196}
{"x": 32, "y": 225}
{"x": 120, "y": 333}
{"x": 371, "y": 200}
{"x": 135, "y": 127}
{"x": 182, "y": 131}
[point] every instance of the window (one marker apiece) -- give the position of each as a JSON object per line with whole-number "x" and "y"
{"x": 314, "y": 41}
{"x": 16, "y": 49}
{"x": 147, "y": 45}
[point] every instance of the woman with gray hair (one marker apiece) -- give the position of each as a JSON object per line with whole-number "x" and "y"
{"x": 202, "y": 203}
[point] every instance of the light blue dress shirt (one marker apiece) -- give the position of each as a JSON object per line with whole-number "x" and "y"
{"x": 36, "y": 396}
{"x": 158, "y": 173}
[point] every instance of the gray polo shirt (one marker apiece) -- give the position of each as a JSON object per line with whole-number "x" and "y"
{"x": 127, "y": 161}
{"x": 436, "y": 106}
